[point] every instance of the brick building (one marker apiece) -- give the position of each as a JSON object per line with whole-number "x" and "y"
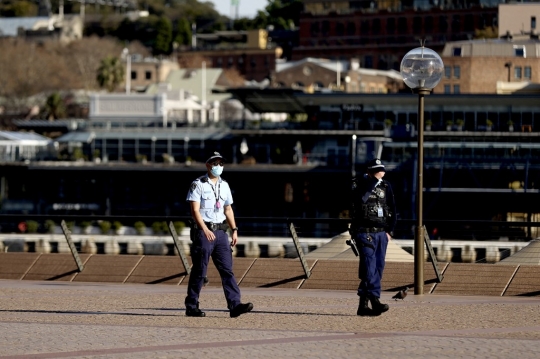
{"x": 380, "y": 33}
{"x": 484, "y": 66}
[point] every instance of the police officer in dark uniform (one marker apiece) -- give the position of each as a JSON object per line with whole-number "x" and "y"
{"x": 210, "y": 200}
{"x": 373, "y": 222}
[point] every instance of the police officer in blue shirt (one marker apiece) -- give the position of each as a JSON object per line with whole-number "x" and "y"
{"x": 373, "y": 222}
{"x": 210, "y": 200}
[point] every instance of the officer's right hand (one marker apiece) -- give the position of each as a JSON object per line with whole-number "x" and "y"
{"x": 209, "y": 235}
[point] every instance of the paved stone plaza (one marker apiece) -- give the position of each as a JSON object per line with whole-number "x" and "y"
{"x": 40, "y": 319}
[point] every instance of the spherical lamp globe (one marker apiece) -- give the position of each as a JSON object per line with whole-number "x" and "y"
{"x": 421, "y": 68}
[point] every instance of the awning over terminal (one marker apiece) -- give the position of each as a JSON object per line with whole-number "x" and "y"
{"x": 268, "y": 100}
{"x": 192, "y": 134}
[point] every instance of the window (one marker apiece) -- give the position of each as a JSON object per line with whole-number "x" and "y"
{"x": 457, "y": 72}
{"x": 456, "y": 51}
{"x": 315, "y": 29}
{"x": 219, "y": 62}
{"x": 340, "y": 29}
{"x": 402, "y": 25}
{"x": 428, "y": 24}
{"x": 148, "y": 75}
{"x": 527, "y": 73}
{"x": 351, "y": 28}
{"x": 519, "y": 51}
{"x": 443, "y": 24}
{"x": 325, "y": 28}
{"x": 376, "y": 26}
{"x": 417, "y": 25}
{"x": 517, "y": 72}
{"x": 368, "y": 61}
{"x": 446, "y": 88}
{"x": 533, "y": 22}
{"x": 457, "y": 89}
{"x": 391, "y": 25}
{"x": 447, "y": 72}
{"x": 134, "y": 75}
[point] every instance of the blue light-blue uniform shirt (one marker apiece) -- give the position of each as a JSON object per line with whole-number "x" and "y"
{"x": 202, "y": 190}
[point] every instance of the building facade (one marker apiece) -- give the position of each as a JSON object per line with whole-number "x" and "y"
{"x": 380, "y": 33}
{"x": 312, "y": 75}
{"x": 483, "y": 66}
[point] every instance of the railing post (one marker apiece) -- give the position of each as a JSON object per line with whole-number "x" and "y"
{"x": 67, "y": 234}
{"x": 432, "y": 256}
{"x": 296, "y": 242}
{"x": 179, "y": 248}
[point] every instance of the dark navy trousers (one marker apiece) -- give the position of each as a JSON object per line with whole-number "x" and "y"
{"x": 220, "y": 250}
{"x": 372, "y": 248}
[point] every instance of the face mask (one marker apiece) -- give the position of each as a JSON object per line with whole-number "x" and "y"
{"x": 217, "y": 170}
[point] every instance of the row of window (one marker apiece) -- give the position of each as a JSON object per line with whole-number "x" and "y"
{"x": 448, "y": 88}
{"x": 147, "y": 75}
{"x": 519, "y": 73}
{"x": 427, "y": 24}
{"x": 527, "y": 72}
{"x": 448, "y": 72}
{"x": 519, "y": 51}
{"x": 240, "y": 61}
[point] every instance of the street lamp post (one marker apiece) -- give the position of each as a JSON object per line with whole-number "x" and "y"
{"x": 422, "y": 69}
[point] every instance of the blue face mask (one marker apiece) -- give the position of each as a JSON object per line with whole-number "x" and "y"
{"x": 217, "y": 170}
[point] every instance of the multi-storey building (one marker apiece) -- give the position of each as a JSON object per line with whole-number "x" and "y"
{"x": 497, "y": 66}
{"x": 249, "y": 52}
{"x": 380, "y": 33}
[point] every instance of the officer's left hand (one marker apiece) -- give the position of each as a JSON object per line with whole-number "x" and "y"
{"x": 234, "y": 237}
{"x": 388, "y": 236}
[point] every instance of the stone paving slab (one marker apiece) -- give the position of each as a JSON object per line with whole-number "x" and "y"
{"x": 40, "y": 319}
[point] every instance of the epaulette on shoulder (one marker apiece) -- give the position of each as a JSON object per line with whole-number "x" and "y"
{"x": 202, "y": 179}
{"x": 223, "y": 179}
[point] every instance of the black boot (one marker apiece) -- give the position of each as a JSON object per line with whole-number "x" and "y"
{"x": 377, "y": 307}
{"x": 363, "y": 308}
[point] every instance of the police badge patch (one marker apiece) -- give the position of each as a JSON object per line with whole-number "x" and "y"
{"x": 193, "y": 187}
{"x": 379, "y": 192}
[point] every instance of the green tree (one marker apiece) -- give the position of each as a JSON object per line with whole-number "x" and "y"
{"x": 54, "y": 105}
{"x": 183, "y": 32}
{"x": 282, "y": 14}
{"x": 163, "y": 36}
{"x": 110, "y": 73}
{"x": 18, "y": 8}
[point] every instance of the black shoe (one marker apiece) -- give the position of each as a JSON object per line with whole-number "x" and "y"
{"x": 363, "y": 309}
{"x": 241, "y": 309}
{"x": 196, "y": 312}
{"x": 377, "y": 307}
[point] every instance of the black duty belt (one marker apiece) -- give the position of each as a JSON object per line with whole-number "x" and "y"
{"x": 369, "y": 230}
{"x": 215, "y": 226}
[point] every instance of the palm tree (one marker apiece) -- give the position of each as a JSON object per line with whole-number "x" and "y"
{"x": 55, "y": 106}
{"x": 110, "y": 73}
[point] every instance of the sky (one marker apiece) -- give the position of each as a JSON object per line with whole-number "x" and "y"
{"x": 247, "y": 8}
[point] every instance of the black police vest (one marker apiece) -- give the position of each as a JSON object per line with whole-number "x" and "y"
{"x": 368, "y": 212}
